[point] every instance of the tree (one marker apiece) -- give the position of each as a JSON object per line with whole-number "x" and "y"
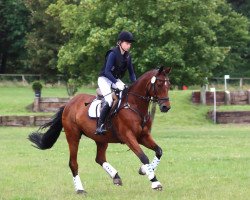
{"x": 13, "y": 27}
{"x": 184, "y": 34}
{"x": 44, "y": 40}
{"x": 242, "y": 67}
{"x": 241, "y": 6}
{"x": 233, "y": 34}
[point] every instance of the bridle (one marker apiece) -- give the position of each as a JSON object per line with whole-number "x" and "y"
{"x": 147, "y": 98}
{"x": 155, "y": 97}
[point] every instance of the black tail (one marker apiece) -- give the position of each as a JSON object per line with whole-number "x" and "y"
{"x": 47, "y": 140}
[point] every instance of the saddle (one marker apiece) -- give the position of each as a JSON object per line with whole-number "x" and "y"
{"x": 97, "y": 103}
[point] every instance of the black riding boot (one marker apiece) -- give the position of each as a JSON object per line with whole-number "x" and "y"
{"x": 100, "y": 124}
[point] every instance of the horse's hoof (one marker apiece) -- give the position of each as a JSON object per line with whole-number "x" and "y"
{"x": 156, "y": 186}
{"x": 142, "y": 171}
{"x": 117, "y": 181}
{"x": 81, "y": 192}
{"x": 159, "y": 188}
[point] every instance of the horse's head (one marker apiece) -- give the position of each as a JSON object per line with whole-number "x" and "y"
{"x": 158, "y": 88}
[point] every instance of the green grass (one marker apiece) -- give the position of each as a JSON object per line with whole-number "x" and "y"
{"x": 204, "y": 162}
{"x": 14, "y": 100}
{"x": 200, "y": 161}
{"x": 183, "y": 111}
{"x": 234, "y": 108}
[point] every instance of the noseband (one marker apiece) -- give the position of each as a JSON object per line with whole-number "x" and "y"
{"x": 155, "y": 97}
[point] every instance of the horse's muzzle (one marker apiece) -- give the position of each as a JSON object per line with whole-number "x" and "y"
{"x": 164, "y": 108}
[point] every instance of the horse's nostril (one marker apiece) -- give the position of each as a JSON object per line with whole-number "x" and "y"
{"x": 164, "y": 108}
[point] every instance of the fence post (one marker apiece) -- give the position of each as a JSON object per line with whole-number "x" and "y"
{"x": 248, "y": 96}
{"x": 225, "y": 80}
{"x": 214, "y": 111}
{"x": 36, "y": 107}
{"x": 23, "y": 80}
{"x": 241, "y": 83}
{"x": 203, "y": 95}
{"x": 152, "y": 113}
{"x": 227, "y": 98}
{"x": 32, "y": 121}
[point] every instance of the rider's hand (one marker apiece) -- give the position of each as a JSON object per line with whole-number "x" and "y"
{"x": 120, "y": 85}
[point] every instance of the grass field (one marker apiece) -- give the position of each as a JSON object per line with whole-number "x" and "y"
{"x": 200, "y": 161}
{"x": 14, "y": 100}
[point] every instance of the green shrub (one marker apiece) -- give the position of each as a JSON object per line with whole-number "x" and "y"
{"x": 37, "y": 86}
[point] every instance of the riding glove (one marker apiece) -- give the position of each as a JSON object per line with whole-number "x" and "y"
{"x": 120, "y": 85}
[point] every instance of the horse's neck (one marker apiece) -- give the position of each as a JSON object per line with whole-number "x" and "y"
{"x": 140, "y": 86}
{"x": 137, "y": 97}
{"x": 139, "y": 89}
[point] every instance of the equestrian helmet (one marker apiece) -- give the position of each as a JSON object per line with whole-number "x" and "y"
{"x": 126, "y": 36}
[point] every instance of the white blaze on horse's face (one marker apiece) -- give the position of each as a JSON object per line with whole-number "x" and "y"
{"x": 153, "y": 79}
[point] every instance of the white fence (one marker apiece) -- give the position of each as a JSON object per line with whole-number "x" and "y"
{"x": 232, "y": 83}
{"x": 23, "y": 78}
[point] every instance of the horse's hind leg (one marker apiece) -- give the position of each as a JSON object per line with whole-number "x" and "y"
{"x": 73, "y": 137}
{"x": 101, "y": 160}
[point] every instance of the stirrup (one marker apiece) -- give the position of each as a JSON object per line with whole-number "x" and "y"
{"x": 100, "y": 130}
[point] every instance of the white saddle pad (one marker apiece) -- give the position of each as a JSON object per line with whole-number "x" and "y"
{"x": 94, "y": 109}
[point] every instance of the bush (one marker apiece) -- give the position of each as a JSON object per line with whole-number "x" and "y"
{"x": 72, "y": 86}
{"x": 37, "y": 86}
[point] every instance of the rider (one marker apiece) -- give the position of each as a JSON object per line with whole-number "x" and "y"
{"x": 117, "y": 62}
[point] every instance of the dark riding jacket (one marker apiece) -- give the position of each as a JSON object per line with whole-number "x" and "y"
{"x": 116, "y": 65}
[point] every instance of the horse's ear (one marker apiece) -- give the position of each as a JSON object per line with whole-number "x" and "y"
{"x": 167, "y": 70}
{"x": 160, "y": 69}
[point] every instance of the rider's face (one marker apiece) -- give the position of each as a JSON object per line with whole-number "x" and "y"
{"x": 126, "y": 45}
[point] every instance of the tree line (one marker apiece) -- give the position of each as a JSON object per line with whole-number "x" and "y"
{"x": 197, "y": 38}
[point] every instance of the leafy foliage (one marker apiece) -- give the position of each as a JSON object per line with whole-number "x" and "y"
{"x": 37, "y": 85}
{"x": 242, "y": 6}
{"x": 13, "y": 27}
{"x": 197, "y": 38}
{"x": 242, "y": 67}
{"x": 72, "y": 86}
{"x": 44, "y": 40}
{"x": 187, "y": 35}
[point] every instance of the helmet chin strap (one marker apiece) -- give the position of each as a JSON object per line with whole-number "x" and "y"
{"x": 119, "y": 44}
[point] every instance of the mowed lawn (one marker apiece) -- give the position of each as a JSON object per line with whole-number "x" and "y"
{"x": 200, "y": 161}
{"x": 211, "y": 162}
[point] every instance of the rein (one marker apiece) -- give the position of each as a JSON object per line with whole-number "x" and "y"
{"x": 147, "y": 98}
{"x": 126, "y": 105}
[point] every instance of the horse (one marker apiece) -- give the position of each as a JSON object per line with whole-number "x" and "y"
{"x": 130, "y": 125}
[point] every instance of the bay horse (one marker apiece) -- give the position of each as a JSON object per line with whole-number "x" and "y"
{"x": 130, "y": 125}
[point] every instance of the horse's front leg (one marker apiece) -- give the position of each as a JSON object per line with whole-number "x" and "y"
{"x": 148, "y": 142}
{"x": 101, "y": 160}
{"x": 148, "y": 168}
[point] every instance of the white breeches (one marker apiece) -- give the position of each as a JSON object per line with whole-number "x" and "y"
{"x": 105, "y": 86}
